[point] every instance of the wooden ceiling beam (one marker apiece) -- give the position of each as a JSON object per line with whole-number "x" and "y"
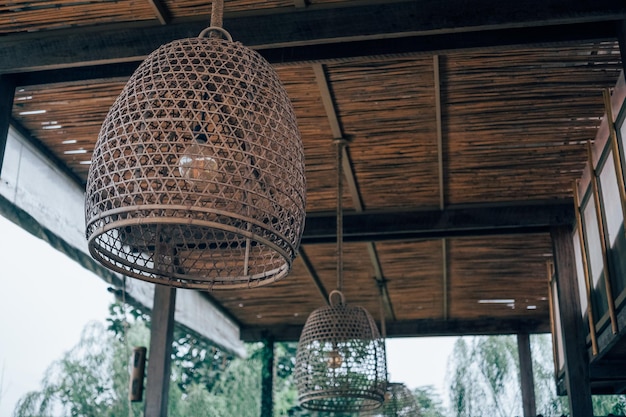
{"x": 479, "y": 220}
{"x": 442, "y": 183}
{"x": 318, "y": 34}
{"x": 313, "y": 274}
{"x": 87, "y": 74}
{"x": 419, "y": 328}
{"x": 7, "y": 92}
{"x": 160, "y": 10}
{"x": 348, "y": 172}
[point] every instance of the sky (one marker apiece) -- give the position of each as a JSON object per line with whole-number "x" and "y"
{"x": 46, "y": 299}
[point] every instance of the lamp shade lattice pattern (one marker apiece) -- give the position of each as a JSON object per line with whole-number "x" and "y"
{"x": 197, "y": 177}
{"x": 340, "y": 361}
{"x": 399, "y": 402}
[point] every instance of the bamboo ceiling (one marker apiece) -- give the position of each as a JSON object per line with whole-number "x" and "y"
{"x": 473, "y": 124}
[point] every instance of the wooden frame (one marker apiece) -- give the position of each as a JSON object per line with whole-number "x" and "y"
{"x": 617, "y": 154}
{"x": 585, "y": 261}
{"x": 601, "y": 229}
{"x": 555, "y": 327}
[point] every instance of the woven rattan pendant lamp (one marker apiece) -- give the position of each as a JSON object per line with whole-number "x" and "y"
{"x": 197, "y": 177}
{"x": 399, "y": 402}
{"x": 340, "y": 360}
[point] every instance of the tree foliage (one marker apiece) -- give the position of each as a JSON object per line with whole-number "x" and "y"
{"x": 429, "y": 402}
{"x": 92, "y": 378}
{"x": 485, "y": 374}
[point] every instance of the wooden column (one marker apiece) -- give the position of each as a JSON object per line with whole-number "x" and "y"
{"x": 621, "y": 37}
{"x": 160, "y": 353}
{"x": 527, "y": 381}
{"x": 7, "y": 93}
{"x": 574, "y": 347}
{"x": 267, "y": 378}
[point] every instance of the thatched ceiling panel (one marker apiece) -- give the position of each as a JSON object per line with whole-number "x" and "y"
{"x": 288, "y": 301}
{"x": 29, "y": 15}
{"x": 516, "y": 121}
{"x": 358, "y": 274}
{"x": 72, "y": 119}
{"x": 499, "y": 268}
{"x": 414, "y": 274}
{"x": 186, "y": 8}
{"x": 387, "y": 110}
{"x": 319, "y": 150}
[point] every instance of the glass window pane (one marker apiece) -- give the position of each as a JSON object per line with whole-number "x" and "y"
{"x": 580, "y": 274}
{"x": 592, "y": 234}
{"x": 611, "y": 200}
{"x": 615, "y": 226}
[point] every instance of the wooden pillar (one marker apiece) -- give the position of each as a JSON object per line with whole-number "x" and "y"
{"x": 621, "y": 37}
{"x": 576, "y": 360}
{"x": 527, "y": 381}
{"x": 7, "y": 93}
{"x": 267, "y": 378}
{"x": 160, "y": 353}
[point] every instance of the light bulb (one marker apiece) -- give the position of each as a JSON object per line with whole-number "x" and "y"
{"x": 196, "y": 164}
{"x": 334, "y": 359}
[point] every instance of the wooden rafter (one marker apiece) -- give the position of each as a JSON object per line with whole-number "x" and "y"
{"x": 313, "y": 274}
{"x": 161, "y": 11}
{"x": 348, "y": 32}
{"x": 479, "y": 220}
{"x": 442, "y": 184}
{"x": 7, "y": 91}
{"x": 348, "y": 172}
{"x": 425, "y": 327}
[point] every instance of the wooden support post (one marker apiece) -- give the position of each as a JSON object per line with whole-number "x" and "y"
{"x": 574, "y": 346}
{"x": 621, "y": 37}
{"x": 160, "y": 353}
{"x": 267, "y": 376}
{"x": 527, "y": 381}
{"x": 7, "y": 93}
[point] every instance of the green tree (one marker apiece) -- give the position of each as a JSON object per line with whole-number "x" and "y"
{"x": 429, "y": 402}
{"x": 92, "y": 378}
{"x": 87, "y": 381}
{"x": 484, "y": 379}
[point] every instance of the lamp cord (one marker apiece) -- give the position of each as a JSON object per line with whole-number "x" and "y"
{"x": 383, "y": 327}
{"x": 217, "y": 13}
{"x": 340, "y": 144}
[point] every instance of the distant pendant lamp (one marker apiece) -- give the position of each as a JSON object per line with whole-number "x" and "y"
{"x": 197, "y": 177}
{"x": 340, "y": 360}
{"x": 399, "y": 402}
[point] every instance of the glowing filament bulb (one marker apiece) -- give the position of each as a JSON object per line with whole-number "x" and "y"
{"x": 334, "y": 359}
{"x": 195, "y": 164}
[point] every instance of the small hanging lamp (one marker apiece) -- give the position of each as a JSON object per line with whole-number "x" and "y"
{"x": 197, "y": 177}
{"x": 340, "y": 360}
{"x": 399, "y": 402}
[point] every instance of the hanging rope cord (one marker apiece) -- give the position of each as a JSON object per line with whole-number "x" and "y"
{"x": 217, "y": 13}
{"x": 340, "y": 144}
{"x": 383, "y": 328}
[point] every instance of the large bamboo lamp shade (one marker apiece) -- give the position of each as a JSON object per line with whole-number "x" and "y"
{"x": 197, "y": 177}
{"x": 340, "y": 360}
